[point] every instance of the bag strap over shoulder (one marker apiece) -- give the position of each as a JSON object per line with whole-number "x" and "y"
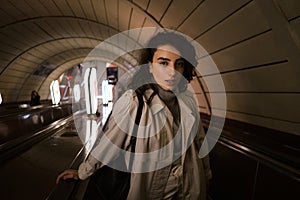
{"x": 139, "y": 112}
{"x": 136, "y": 125}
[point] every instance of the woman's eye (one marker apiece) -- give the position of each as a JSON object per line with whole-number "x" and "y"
{"x": 179, "y": 65}
{"x": 163, "y": 63}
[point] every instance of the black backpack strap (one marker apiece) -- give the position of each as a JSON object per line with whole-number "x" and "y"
{"x": 138, "y": 113}
{"x": 136, "y": 126}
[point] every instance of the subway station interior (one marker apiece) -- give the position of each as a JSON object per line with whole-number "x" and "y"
{"x": 247, "y": 88}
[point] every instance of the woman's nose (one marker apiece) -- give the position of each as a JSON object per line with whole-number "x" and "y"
{"x": 172, "y": 70}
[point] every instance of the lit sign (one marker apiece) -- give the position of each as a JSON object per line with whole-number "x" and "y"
{"x": 112, "y": 73}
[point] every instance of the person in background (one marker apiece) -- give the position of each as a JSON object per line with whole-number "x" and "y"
{"x": 35, "y": 98}
{"x": 167, "y": 65}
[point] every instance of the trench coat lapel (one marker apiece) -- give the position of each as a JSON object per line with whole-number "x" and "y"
{"x": 186, "y": 115}
{"x": 157, "y": 106}
{"x": 187, "y": 123}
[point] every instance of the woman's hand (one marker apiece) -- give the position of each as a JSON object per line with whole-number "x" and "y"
{"x": 69, "y": 173}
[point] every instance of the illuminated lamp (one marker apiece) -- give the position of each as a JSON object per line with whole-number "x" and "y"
{"x": 91, "y": 91}
{"x": 55, "y": 92}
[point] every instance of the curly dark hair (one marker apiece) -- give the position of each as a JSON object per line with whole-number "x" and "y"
{"x": 143, "y": 78}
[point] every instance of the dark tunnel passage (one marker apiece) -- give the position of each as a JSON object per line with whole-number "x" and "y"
{"x": 79, "y": 55}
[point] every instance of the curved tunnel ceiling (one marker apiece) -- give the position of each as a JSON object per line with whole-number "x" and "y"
{"x": 254, "y": 43}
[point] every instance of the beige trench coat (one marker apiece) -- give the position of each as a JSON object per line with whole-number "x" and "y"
{"x": 151, "y": 184}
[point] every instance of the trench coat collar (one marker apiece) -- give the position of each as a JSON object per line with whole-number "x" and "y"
{"x": 186, "y": 112}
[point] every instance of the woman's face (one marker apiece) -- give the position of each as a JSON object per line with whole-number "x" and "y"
{"x": 167, "y": 67}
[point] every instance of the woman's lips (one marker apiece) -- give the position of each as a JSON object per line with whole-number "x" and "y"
{"x": 170, "y": 82}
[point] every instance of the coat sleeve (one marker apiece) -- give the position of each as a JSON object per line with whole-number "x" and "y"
{"x": 114, "y": 138}
{"x": 201, "y": 139}
{"x": 205, "y": 160}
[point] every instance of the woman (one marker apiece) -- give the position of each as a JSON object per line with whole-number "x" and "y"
{"x": 35, "y": 98}
{"x": 169, "y": 166}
